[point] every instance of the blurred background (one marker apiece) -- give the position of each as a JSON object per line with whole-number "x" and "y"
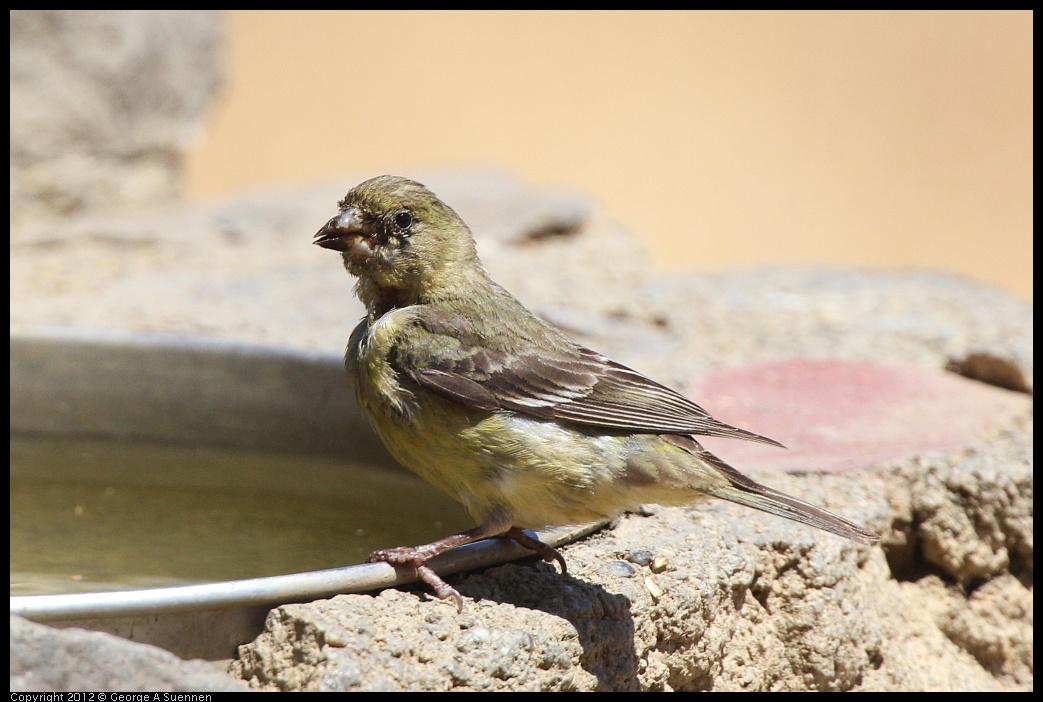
{"x": 722, "y": 139}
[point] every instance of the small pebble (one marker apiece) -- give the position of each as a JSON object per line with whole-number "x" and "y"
{"x": 653, "y": 588}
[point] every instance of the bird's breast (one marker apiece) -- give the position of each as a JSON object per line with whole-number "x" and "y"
{"x": 378, "y": 386}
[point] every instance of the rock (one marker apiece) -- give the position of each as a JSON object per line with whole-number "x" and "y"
{"x": 74, "y": 660}
{"x": 102, "y": 104}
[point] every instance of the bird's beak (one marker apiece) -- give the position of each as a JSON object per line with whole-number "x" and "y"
{"x": 345, "y": 232}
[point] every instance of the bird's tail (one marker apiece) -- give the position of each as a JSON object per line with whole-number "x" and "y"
{"x": 738, "y": 488}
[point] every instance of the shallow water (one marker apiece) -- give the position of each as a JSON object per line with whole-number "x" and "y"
{"x": 94, "y": 515}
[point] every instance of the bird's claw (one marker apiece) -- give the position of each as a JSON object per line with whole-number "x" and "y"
{"x": 416, "y": 557}
{"x": 548, "y": 553}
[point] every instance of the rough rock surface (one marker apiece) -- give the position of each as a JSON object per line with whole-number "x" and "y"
{"x": 102, "y": 104}
{"x": 74, "y": 660}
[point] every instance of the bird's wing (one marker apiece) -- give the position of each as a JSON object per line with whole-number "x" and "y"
{"x": 567, "y": 382}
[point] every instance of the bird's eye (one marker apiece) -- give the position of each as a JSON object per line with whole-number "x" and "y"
{"x": 403, "y": 220}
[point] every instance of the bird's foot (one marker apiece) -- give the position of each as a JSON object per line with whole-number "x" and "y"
{"x": 416, "y": 557}
{"x": 548, "y": 553}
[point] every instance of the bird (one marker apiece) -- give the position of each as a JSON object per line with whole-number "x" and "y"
{"x": 499, "y": 409}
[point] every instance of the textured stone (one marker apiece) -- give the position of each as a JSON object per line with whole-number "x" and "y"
{"x": 74, "y": 660}
{"x": 102, "y": 105}
{"x": 835, "y": 415}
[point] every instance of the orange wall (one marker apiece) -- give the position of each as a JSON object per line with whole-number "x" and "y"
{"x": 722, "y": 139}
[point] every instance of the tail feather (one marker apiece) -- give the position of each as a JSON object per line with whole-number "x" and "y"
{"x": 747, "y": 492}
{"x": 744, "y": 491}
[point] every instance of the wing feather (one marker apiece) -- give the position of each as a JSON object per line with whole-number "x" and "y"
{"x": 563, "y": 381}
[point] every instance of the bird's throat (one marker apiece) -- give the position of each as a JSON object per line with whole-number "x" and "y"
{"x": 379, "y": 300}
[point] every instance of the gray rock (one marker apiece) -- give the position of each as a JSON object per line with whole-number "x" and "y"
{"x": 74, "y": 660}
{"x": 102, "y": 103}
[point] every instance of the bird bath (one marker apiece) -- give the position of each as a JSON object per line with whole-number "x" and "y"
{"x": 173, "y": 489}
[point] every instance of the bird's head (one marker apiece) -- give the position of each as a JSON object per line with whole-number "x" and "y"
{"x": 402, "y": 243}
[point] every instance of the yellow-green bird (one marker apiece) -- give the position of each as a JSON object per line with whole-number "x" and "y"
{"x": 502, "y": 411}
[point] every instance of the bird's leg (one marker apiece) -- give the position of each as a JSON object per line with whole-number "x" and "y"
{"x": 417, "y": 556}
{"x": 548, "y": 553}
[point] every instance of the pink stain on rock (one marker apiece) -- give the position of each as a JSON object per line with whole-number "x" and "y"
{"x": 836, "y": 415}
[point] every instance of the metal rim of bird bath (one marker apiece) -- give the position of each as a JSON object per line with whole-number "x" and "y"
{"x": 76, "y": 382}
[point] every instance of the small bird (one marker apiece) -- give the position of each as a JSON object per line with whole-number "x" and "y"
{"x": 499, "y": 409}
